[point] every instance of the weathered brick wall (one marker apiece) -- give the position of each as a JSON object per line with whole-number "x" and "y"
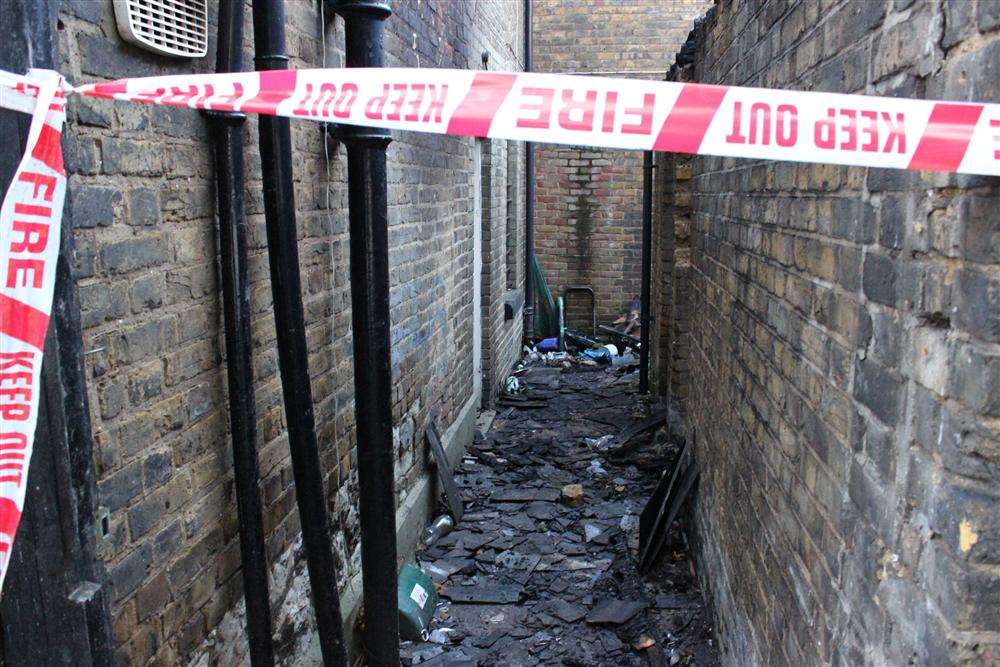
{"x": 662, "y": 275}
{"x": 502, "y": 193}
{"x": 141, "y": 188}
{"x": 845, "y": 353}
{"x": 671, "y": 355}
{"x": 588, "y": 222}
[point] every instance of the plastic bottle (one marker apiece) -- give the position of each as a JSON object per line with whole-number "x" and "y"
{"x": 438, "y": 529}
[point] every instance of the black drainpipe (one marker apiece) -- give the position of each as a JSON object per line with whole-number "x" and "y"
{"x": 529, "y": 199}
{"x": 369, "y": 227}
{"x": 647, "y": 267}
{"x": 227, "y": 145}
{"x": 289, "y": 321}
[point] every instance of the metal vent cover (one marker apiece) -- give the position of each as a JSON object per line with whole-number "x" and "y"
{"x": 169, "y": 27}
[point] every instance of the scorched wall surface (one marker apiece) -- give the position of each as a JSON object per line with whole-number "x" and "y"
{"x": 845, "y": 347}
{"x": 141, "y": 191}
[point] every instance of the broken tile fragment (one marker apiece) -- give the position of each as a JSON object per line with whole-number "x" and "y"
{"x": 520, "y": 522}
{"x": 512, "y": 560}
{"x": 441, "y": 569}
{"x": 671, "y": 601}
{"x": 523, "y": 495}
{"x": 590, "y": 531}
{"x": 483, "y": 594}
{"x": 559, "y": 586}
{"x": 543, "y": 511}
{"x": 614, "y": 611}
{"x": 567, "y": 611}
{"x": 486, "y": 641}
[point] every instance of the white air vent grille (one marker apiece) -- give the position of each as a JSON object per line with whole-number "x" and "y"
{"x": 171, "y": 27}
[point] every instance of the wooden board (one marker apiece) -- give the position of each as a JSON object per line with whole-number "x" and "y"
{"x": 452, "y": 495}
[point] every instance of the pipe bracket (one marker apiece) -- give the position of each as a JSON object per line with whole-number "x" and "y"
{"x": 371, "y": 8}
{"x": 234, "y": 118}
{"x": 269, "y": 61}
{"x": 373, "y": 137}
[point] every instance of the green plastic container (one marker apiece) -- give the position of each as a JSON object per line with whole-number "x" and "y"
{"x": 416, "y": 598}
{"x": 545, "y": 323}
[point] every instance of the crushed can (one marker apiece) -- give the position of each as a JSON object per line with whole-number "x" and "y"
{"x": 417, "y": 599}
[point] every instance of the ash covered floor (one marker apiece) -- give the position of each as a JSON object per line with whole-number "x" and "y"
{"x": 528, "y": 579}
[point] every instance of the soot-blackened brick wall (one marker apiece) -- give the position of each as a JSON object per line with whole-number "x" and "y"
{"x": 588, "y": 223}
{"x": 845, "y": 347}
{"x": 670, "y": 353}
{"x": 142, "y": 195}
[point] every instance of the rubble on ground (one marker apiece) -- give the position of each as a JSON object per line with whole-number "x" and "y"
{"x": 535, "y": 575}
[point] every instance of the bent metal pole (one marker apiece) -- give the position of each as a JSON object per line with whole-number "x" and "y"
{"x": 289, "y": 320}
{"x": 227, "y": 145}
{"x": 369, "y": 228}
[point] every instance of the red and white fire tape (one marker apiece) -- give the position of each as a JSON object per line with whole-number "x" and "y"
{"x": 602, "y": 112}
{"x": 605, "y": 112}
{"x": 29, "y": 246}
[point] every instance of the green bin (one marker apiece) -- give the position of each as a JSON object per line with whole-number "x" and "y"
{"x": 417, "y": 598}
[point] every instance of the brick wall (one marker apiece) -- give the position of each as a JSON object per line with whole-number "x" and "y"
{"x": 141, "y": 188}
{"x": 588, "y": 222}
{"x": 671, "y": 304}
{"x": 502, "y": 193}
{"x": 845, "y": 352}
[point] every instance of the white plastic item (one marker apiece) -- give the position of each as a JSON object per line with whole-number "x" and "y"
{"x": 169, "y": 27}
{"x": 438, "y": 529}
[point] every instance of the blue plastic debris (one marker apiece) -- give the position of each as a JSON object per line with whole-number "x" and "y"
{"x": 548, "y": 345}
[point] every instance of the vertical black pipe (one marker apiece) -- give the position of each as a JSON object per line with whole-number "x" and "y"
{"x": 227, "y": 145}
{"x": 369, "y": 227}
{"x": 289, "y": 320}
{"x": 529, "y": 199}
{"x": 647, "y": 267}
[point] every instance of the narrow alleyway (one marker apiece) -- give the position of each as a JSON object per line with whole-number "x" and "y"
{"x": 530, "y": 577}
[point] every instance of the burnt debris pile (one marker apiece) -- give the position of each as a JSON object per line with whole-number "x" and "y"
{"x": 543, "y": 566}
